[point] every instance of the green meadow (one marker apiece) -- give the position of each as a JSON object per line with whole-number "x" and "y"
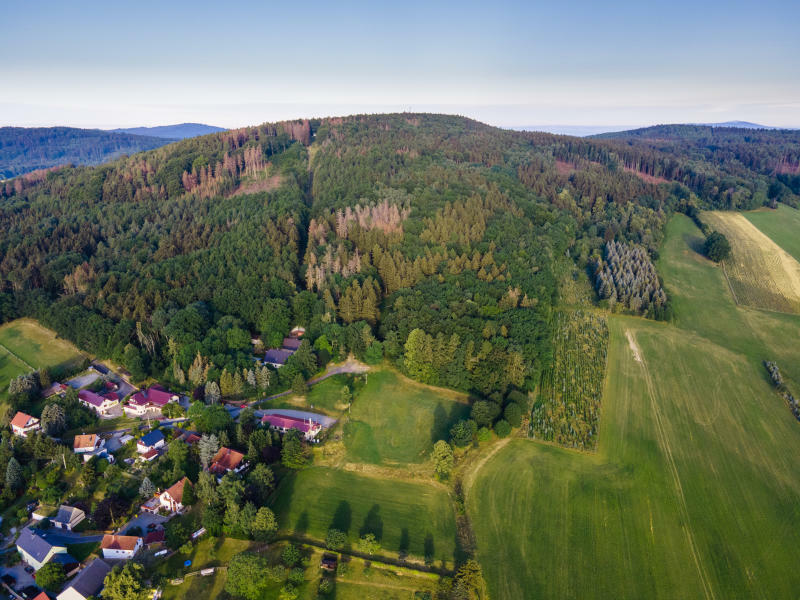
{"x": 781, "y": 225}
{"x": 694, "y": 488}
{"x": 405, "y": 517}
{"x": 395, "y": 420}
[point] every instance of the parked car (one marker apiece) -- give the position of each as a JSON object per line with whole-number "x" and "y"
{"x": 29, "y": 569}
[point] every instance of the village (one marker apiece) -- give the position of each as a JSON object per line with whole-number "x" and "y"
{"x": 131, "y": 485}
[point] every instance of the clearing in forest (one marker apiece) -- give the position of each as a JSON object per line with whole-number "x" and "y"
{"x": 761, "y": 273}
{"x": 567, "y": 410}
{"x": 26, "y": 346}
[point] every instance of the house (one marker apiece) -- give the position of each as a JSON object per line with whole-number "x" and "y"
{"x": 42, "y": 596}
{"x": 88, "y": 583}
{"x": 155, "y": 398}
{"x": 277, "y": 358}
{"x": 283, "y": 423}
{"x": 55, "y": 389}
{"x": 297, "y": 332}
{"x": 88, "y": 443}
{"x": 226, "y": 460}
{"x": 67, "y": 517}
{"x": 328, "y": 562}
{"x": 190, "y": 438}
{"x": 35, "y": 550}
{"x": 290, "y": 343}
{"x": 120, "y": 547}
{"x": 100, "y": 404}
{"x": 172, "y": 498}
{"x": 23, "y": 424}
{"x": 150, "y": 442}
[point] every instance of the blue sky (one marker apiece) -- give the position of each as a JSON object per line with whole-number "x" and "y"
{"x": 115, "y": 64}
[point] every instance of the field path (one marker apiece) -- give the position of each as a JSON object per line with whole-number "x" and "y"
{"x": 663, "y": 442}
{"x": 475, "y": 467}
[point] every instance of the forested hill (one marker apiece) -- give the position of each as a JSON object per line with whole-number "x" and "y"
{"x": 24, "y": 149}
{"x": 768, "y": 157}
{"x": 435, "y": 242}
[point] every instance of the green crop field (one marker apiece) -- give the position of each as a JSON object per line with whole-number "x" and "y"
{"x": 694, "y": 488}
{"x": 782, "y": 226}
{"x": 568, "y": 406}
{"x": 396, "y": 420}
{"x": 25, "y": 346}
{"x": 405, "y": 516}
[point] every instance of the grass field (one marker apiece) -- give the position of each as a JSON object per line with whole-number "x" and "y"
{"x": 760, "y": 272}
{"x": 404, "y": 516}
{"x": 781, "y": 226}
{"x": 26, "y": 346}
{"x": 395, "y": 420}
{"x": 694, "y": 489}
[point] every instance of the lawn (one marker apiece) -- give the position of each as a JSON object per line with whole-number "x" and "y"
{"x": 394, "y": 420}
{"x": 405, "y": 516}
{"x": 83, "y": 551}
{"x": 781, "y": 226}
{"x": 25, "y": 346}
{"x": 694, "y": 488}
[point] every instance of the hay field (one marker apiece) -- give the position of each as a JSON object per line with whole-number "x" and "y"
{"x": 761, "y": 273}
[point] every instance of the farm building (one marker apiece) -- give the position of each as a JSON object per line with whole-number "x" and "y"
{"x": 283, "y": 423}
{"x": 23, "y": 424}
{"x": 88, "y": 582}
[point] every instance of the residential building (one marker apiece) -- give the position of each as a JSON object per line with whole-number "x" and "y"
{"x": 226, "y": 460}
{"x": 35, "y": 550}
{"x": 23, "y": 424}
{"x": 172, "y": 498}
{"x": 291, "y": 343}
{"x": 150, "y": 442}
{"x": 88, "y": 582}
{"x": 55, "y": 389}
{"x": 277, "y": 357}
{"x": 283, "y": 423}
{"x": 100, "y": 404}
{"x": 120, "y": 547}
{"x": 67, "y": 517}
{"x": 88, "y": 443}
{"x": 153, "y": 399}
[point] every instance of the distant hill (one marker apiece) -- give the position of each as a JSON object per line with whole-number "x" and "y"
{"x": 24, "y": 149}
{"x": 739, "y": 125}
{"x": 173, "y": 132}
{"x": 575, "y": 130}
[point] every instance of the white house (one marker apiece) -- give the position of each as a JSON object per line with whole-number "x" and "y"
{"x": 100, "y": 404}
{"x": 151, "y": 441}
{"x": 89, "y": 443}
{"x": 35, "y": 550}
{"x": 23, "y": 424}
{"x": 88, "y": 582}
{"x": 172, "y": 498}
{"x": 120, "y": 547}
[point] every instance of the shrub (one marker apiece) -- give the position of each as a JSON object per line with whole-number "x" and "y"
{"x": 484, "y": 434}
{"x": 502, "y": 428}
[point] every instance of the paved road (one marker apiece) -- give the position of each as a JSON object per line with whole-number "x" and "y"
{"x": 69, "y": 537}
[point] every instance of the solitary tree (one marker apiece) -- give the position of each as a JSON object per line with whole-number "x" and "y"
{"x": 53, "y": 419}
{"x": 126, "y": 583}
{"x": 368, "y": 544}
{"x": 442, "y": 456}
{"x": 265, "y": 525}
{"x": 213, "y": 393}
{"x": 207, "y": 447}
{"x": 717, "y": 247}
{"x": 147, "y": 489}
{"x": 51, "y": 577}
{"x": 335, "y": 539}
{"x": 14, "y": 479}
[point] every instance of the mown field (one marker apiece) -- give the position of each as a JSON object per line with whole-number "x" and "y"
{"x": 760, "y": 272}
{"x": 694, "y": 489}
{"x": 395, "y": 420}
{"x": 415, "y": 518}
{"x": 782, "y": 226}
{"x": 25, "y": 346}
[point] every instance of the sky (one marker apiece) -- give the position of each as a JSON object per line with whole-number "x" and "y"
{"x": 511, "y": 64}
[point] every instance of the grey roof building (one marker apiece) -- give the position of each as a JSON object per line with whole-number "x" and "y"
{"x": 88, "y": 582}
{"x": 36, "y": 550}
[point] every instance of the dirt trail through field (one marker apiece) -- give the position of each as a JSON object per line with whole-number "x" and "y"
{"x": 469, "y": 478}
{"x": 666, "y": 448}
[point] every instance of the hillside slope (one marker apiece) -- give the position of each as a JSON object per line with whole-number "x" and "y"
{"x": 23, "y": 150}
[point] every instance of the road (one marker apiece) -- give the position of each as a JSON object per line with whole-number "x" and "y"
{"x": 69, "y": 537}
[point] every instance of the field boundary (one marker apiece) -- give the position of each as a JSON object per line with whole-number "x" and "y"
{"x": 19, "y": 359}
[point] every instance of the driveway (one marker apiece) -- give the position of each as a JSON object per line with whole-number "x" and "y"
{"x": 69, "y": 537}
{"x": 81, "y": 381}
{"x": 18, "y": 572}
{"x": 143, "y": 520}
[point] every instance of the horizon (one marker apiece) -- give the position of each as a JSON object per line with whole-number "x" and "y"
{"x": 511, "y": 65}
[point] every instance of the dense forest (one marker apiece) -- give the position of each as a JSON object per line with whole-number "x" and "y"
{"x": 23, "y": 150}
{"x": 434, "y": 242}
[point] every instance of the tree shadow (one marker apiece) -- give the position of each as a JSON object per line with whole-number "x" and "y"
{"x": 429, "y": 549}
{"x": 373, "y": 523}
{"x": 343, "y": 517}
{"x": 301, "y": 526}
{"x": 440, "y": 422}
{"x": 695, "y": 242}
{"x": 404, "y": 543}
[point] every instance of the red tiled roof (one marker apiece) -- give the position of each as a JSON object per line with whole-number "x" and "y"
{"x": 85, "y": 441}
{"x": 42, "y": 596}
{"x": 20, "y": 419}
{"x": 287, "y": 422}
{"x": 111, "y": 396}
{"x": 156, "y": 395}
{"x": 225, "y": 460}
{"x": 154, "y": 537}
{"x": 176, "y": 491}
{"x": 119, "y": 542}
{"x": 153, "y": 452}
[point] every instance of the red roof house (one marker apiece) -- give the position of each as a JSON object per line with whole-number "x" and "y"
{"x": 308, "y": 427}
{"x": 23, "y": 424}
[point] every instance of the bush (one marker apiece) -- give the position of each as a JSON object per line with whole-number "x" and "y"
{"x": 484, "y": 434}
{"x": 335, "y": 539}
{"x": 290, "y": 555}
{"x": 513, "y": 414}
{"x": 502, "y": 428}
